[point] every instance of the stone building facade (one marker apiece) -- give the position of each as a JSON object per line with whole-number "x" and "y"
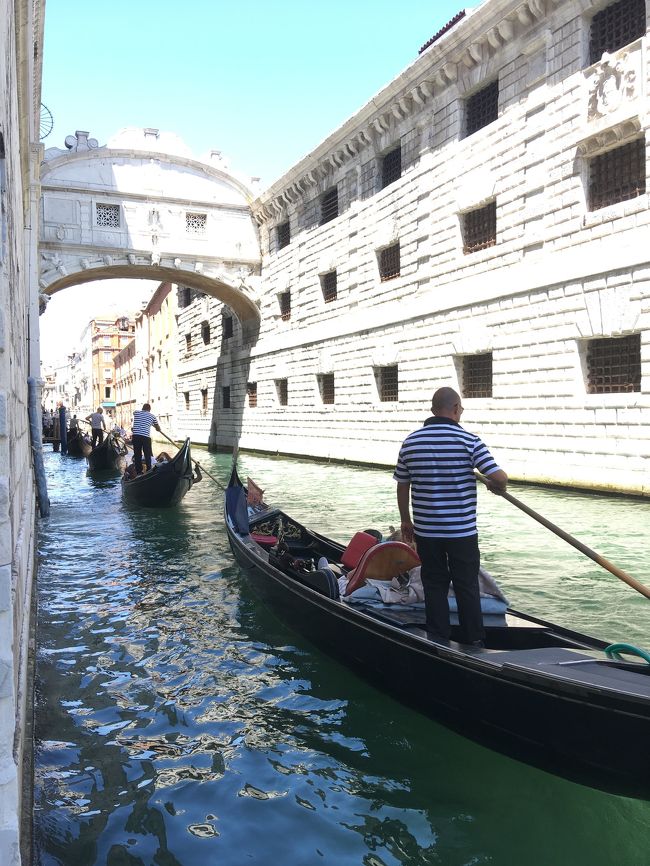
{"x": 482, "y": 222}
{"x": 21, "y": 41}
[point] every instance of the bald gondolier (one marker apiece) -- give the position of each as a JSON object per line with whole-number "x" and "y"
{"x": 143, "y": 421}
{"x": 435, "y": 471}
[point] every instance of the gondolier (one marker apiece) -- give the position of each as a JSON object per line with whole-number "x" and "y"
{"x": 435, "y": 470}
{"x": 143, "y": 421}
{"x": 97, "y": 426}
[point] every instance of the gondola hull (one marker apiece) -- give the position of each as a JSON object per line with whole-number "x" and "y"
{"x": 110, "y": 456}
{"x": 588, "y": 722}
{"x": 165, "y": 484}
{"x": 78, "y": 444}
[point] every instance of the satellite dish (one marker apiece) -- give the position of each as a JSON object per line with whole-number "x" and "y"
{"x": 46, "y": 122}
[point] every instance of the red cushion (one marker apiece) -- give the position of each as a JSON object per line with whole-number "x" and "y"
{"x": 264, "y": 540}
{"x": 360, "y": 542}
{"x": 383, "y": 562}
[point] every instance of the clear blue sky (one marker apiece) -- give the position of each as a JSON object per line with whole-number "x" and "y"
{"x": 264, "y": 81}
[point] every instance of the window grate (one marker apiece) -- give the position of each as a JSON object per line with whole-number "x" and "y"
{"x": 282, "y": 388}
{"x": 227, "y": 327}
{"x": 391, "y": 167}
{"x": 283, "y": 234}
{"x": 205, "y": 332}
{"x": 326, "y": 387}
{"x": 184, "y": 296}
{"x": 186, "y": 395}
{"x": 614, "y": 365}
{"x": 188, "y": 343}
{"x": 285, "y": 306}
{"x": 329, "y": 205}
{"x": 225, "y": 396}
{"x": 616, "y": 26}
{"x": 617, "y": 175}
{"x": 480, "y": 228}
{"x": 108, "y": 215}
{"x": 328, "y": 286}
{"x": 389, "y": 263}
{"x": 387, "y": 384}
{"x": 482, "y": 108}
{"x": 251, "y": 391}
{"x": 196, "y": 223}
{"x": 477, "y": 375}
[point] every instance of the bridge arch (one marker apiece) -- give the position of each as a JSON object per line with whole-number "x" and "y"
{"x": 142, "y": 207}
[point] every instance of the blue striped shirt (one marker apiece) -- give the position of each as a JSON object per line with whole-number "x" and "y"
{"x": 142, "y": 421}
{"x": 438, "y": 460}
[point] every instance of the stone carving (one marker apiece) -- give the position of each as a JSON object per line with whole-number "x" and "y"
{"x": 53, "y": 262}
{"x": 108, "y": 260}
{"x": 614, "y": 83}
{"x": 80, "y": 141}
{"x": 155, "y": 257}
{"x": 60, "y": 232}
{"x": 131, "y": 258}
{"x": 177, "y": 263}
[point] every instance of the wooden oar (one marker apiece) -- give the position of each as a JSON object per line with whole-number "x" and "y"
{"x": 604, "y": 563}
{"x": 195, "y": 462}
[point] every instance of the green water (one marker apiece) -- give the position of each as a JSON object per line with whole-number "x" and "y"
{"x": 179, "y": 723}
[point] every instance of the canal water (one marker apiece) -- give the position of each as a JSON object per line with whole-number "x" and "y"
{"x": 179, "y": 723}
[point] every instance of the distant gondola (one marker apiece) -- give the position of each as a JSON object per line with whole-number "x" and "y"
{"x": 78, "y": 444}
{"x": 110, "y": 456}
{"x": 562, "y": 701}
{"x": 165, "y": 484}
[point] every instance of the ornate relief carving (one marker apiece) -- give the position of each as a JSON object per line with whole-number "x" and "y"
{"x": 614, "y": 84}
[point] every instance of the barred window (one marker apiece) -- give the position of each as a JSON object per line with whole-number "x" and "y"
{"x": 284, "y": 299}
{"x": 328, "y": 286}
{"x": 477, "y": 375}
{"x": 251, "y": 391}
{"x": 482, "y": 108}
{"x": 205, "y": 332}
{"x": 480, "y": 228}
{"x": 107, "y": 215}
{"x": 389, "y": 262}
{"x": 225, "y": 396}
{"x": 617, "y": 175}
{"x": 282, "y": 389}
{"x": 326, "y": 387}
{"x": 615, "y": 26}
{"x": 614, "y": 365}
{"x": 329, "y": 205}
{"x": 391, "y": 167}
{"x": 188, "y": 343}
{"x": 227, "y": 327}
{"x": 186, "y": 394}
{"x": 107, "y": 392}
{"x": 387, "y": 384}
{"x": 196, "y": 223}
{"x": 283, "y": 235}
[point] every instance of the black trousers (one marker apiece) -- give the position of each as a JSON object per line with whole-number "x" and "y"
{"x": 98, "y": 436}
{"x": 141, "y": 445}
{"x": 456, "y": 561}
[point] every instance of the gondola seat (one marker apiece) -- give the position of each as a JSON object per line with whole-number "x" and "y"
{"x": 382, "y": 562}
{"x": 359, "y": 544}
{"x": 265, "y": 541}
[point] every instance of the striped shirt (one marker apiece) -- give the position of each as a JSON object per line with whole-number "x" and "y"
{"x": 142, "y": 421}
{"x": 438, "y": 461}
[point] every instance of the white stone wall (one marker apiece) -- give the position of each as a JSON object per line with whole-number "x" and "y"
{"x": 19, "y": 94}
{"x": 558, "y": 274}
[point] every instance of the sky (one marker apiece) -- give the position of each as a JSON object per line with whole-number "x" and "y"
{"x": 263, "y": 81}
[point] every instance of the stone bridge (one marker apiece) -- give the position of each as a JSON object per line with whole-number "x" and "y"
{"x": 144, "y": 207}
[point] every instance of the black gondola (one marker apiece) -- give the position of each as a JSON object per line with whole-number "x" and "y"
{"x": 78, "y": 444}
{"x": 165, "y": 484}
{"x": 538, "y": 692}
{"x": 110, "y": 456}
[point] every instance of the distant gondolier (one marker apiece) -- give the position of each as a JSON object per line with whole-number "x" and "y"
{"x": 97, "y": 426}
{"x": 143, "y": 421}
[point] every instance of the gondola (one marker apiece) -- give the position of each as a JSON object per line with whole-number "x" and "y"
{"x": 110, "y": 456}
{"x": 538, "y": 692}
{"x": 78, "y": 444}
{"x": 165, "y": 484}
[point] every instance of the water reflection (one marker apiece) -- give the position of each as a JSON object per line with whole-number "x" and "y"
{"x": 179, "y": 722}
